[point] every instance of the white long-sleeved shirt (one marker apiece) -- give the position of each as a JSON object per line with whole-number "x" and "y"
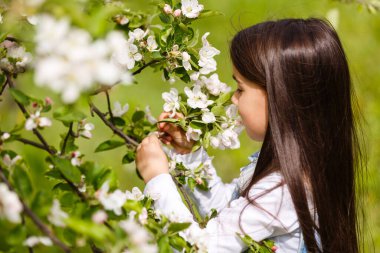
{"x": 272, "y": 217}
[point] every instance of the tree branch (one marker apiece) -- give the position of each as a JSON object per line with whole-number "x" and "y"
{"x": 188, "y": 201}
{"x": 35, "y": 218}
{"x": 32, "y": 143}
{"x": 67, "y": 138}
{"x": 26, "y": 114}
{"x": 109, "y": 106}
{"x": 138, "y": 71}
{"x": 131, "y": 142}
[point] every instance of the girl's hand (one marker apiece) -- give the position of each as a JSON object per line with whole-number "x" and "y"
{"x": 174, "y": 135}
{"x": 150, "y": 158}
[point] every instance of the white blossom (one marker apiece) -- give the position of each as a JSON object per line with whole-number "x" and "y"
{"x": 208, "y": 117}
{"x": 9, "y": 162}
{"x": 214, "y": 85}
{"x": 99, "y": 217}
{"x": 35, "y": 121}
{"x": 34, "y": 240}
{"x": 76, "y": 158}
{"x": 232, "y": 111}
{"x": 186, "y": 60}
{"x": 193, "y": 134}
{"x": 85, "y": 129}
{"x": 206, "y": 56}
{"x": 57, "y": 216}
{"x": 191, "y": 8}
{"x": 111, "y": 201}
{"x": 136, "y": 194}
{"x": 10, "y": 205}
{"x": 19, "y": 53}
{"x": 137, "y": 234}
{"x": 5, "y": 136}
{"x": 194, "y": 76}
{"x": 151, "y": 44}
{"x": 226, "y": 139}
{"x": 70, "y": 62}
{"x": 171, "y": 101}
{"x": 138, "y": 34}
{"x": 143, "y": 216}
{"x": 1, "y": 18}
{"x": 333, "y": 17}
{"x": 197, "y": 99}
{"x": 119, "y": 111}
{"x": 168, "y": 9}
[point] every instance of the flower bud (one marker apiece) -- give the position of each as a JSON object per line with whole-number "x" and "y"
{"x": 199, "y": 180}
{"x": 274, "y": 248}
{"x": 177, "y": 13}
{"x": 48, "y": 101}
{"x": 168, "y": 9}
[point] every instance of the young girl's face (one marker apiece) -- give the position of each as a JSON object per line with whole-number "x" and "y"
{"x": 251, "y": 100}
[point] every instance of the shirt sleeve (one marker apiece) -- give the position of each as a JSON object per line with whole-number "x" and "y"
{"x": 272, "y": 214}
{"x": 219, "y": 194}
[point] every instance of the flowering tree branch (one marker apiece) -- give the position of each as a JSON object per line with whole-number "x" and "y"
{"x": 109, "y": 105}
{"x": 69, "y": 132}
{"x": 26, "y": 114}
{"x": 138, "y": 71}
{"x": 32, "y": 143}
{"x": 35, "y": 218}
{"x": 126, "y": 138}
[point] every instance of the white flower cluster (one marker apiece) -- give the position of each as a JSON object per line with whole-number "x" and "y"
{"x": 114, "y": 201}
{"x": 34, "y": 240}
{"x": 69, "y": 61}
{"x": 191, "y": 8}
{"x": 138, "y": 235}
{"x": 16, "y": 58}
{"x": 10, "y": 205}
{"x": 57, "y": 216}
{"x": 228, "y": 137}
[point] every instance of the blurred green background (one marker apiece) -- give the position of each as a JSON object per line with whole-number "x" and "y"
{"x": 359, "y": 32}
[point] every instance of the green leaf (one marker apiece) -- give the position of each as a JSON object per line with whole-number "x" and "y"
{"x": 108, "y": 145}
{"x": 191, "y": 183}
{"x": 22, "y": 181}
{"x": 68, "y": 115}
{"x": 67, "y": 169}
{"x": 178, "y": 243}
{"x": 42, "y": 203}
{"x": 218, "y": 110}
{"x": 165, "y": 18}
{"x": 176, "y": 227}
{"x": 169, "y": 2}
{"x": 90, "y": 229}
{"x": 137, "y": 116}
{"x": 19, "y": 96}
{"x": 165, "y": 34}
{"x": 118, "y": 121}
{"x": 203, "y": 186}
{"x": 163, "y": 245}
{"x": 209, "y": 13}
{"x": 129, "y": 157}
{"x": 16, "y": 235}
{"x": 225, "y": 97}
{"x": 2, "y": 79}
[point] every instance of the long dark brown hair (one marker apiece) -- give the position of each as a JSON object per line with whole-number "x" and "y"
{"x": 311, "y": 137}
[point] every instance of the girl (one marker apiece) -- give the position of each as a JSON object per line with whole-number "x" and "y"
{"x": 294, "y": 96}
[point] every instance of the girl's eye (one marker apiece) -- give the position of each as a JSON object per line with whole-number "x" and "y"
{"x": 238, "y": 90}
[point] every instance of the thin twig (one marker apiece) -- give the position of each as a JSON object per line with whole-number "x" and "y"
{"x": 188, "y": 201}
{"x": 128, "y": 140}
{"x": 32, "y": 143}
{"x": 138, "y": 71}
{"x": 81, "y": 195}
{"x": 109, "y": 106}
{"x": 94, "y": 248}
{"x": 3, "y": 88}
{"x": 67, "y": 138}
{"x": 26, "y": 114}
{"x": 35, "y": 218}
